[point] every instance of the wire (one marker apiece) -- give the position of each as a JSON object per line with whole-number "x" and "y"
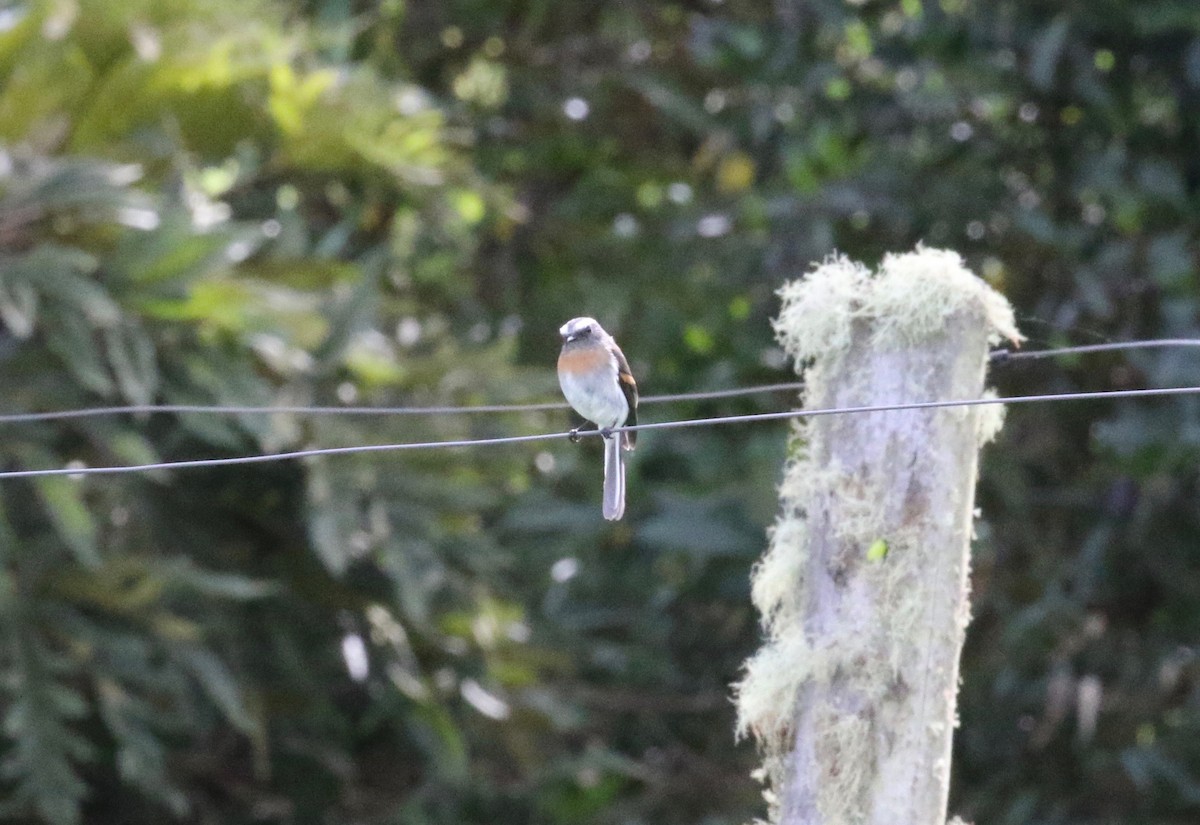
{"x": 143, "y": 409}
{"x": 1003, "y": 355}
{"x": 234, "y": 409}
{"x": 999, "y": 356}
{"x": 660, "y": 425}
{"x": 710, "y": 394}
{"x": 259, "y": 459}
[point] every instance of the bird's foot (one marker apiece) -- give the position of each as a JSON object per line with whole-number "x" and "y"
{"x": 574, "y": 435}
{"x": 606, "y": 432}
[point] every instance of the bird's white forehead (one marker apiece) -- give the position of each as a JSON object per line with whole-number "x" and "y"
{"x": 576, "y": 324}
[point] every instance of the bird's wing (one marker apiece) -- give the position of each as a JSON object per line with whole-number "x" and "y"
{"x": 629, "y": 387}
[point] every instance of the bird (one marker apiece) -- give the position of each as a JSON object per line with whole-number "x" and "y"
{"x": 597, "y": 383}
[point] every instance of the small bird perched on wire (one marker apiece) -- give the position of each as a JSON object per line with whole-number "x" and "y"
{"x": 596, "y": 381}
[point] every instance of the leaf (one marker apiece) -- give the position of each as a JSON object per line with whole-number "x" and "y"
{"x": 693, "y": 527}
{"x": 131, "y": 355}
{"x": 878, "y": 550}
{"x": 42, "y": 746}
{"x": 73, "y": 342}
{"x": 141, "y": 753}
{"x": 18, "y": 308}
{"x": 198, "y": 84}
{"x": 469, "y": 205}
{"x": 735, "y": 173}
{"x": 87, "y": 190}
{"x": 551, "y": 516}
{"x": 1145, "y": 765}
{"x": 347, "y": 317}
{"x": 65, "y": 274}
{"x": 121, "y": 586}
{"x": 211, "y": 378}
{"x": 185, "y": 576}
{"x": 130, "y": 447}
{"x": 63, "y": 498}
{"x": 1191, "y": 63}
{"x": 332, "y": 518}
{"x": 1170, "y": 259}
{"x": 438, "y": 735}
{"x": 170, "y": 257}
{"x": 48, "y": 79}
{"x": 1046, "y": 51}
{"x": 220, "y": 685}
{"x": 674, "y": 103}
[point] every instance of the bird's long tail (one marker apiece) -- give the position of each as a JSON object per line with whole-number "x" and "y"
{"x": 614, "y": 479}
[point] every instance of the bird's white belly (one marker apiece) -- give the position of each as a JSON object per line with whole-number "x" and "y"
{"x": 600, "y": 402}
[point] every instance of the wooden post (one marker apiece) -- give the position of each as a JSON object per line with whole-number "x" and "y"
{"x": 863, "y": 590}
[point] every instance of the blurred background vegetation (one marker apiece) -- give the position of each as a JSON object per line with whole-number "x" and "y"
{"x": 340, "y": 201}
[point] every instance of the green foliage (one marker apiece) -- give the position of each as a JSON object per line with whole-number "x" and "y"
{"x": 398, "y": 203}
{"x": 215, "y": 215}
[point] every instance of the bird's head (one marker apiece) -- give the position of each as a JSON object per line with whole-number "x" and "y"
{"x": 579, "y": 329}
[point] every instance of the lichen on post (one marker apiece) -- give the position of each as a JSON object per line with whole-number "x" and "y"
{"x": 863, "y": 589}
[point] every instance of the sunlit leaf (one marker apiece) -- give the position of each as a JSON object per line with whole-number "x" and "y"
{"x": 68, "y": 511}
